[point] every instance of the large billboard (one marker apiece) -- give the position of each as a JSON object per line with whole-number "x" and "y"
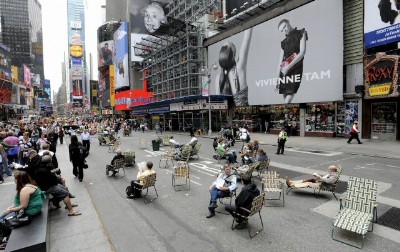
{"x": 126, "y": 99}
{"x": 27, "y": 76}
{"x": 146, "y": 17}
{"x": 5, "y": 91}
{"x": 47, "y": 88}
{"x": 5, "y": 62}
{"x": 293, "y": 58}
{"x": 121, "y": 43}
{"x": 381, "y": 22}
{"x": 105, "y": 53}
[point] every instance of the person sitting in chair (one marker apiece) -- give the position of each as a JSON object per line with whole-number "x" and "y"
{"x": 244, "y": 199}
{"x": 193, "y": 142}
{"x": 145, "y": 169}
{"x": 175, "y": 143}
{"x": 329, "y": 179}
{"x": 116, "y": 157}
{"x": 226, "y": 152}
{"x": 222, "y": 187}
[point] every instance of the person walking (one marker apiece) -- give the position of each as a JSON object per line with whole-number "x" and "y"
{"x": 354, "y": 133}
{"x": 85, "y": 139}
{"x": 61, "y": 135}
{"x": 281, "y": 141}
{"x": 76, "y": 158}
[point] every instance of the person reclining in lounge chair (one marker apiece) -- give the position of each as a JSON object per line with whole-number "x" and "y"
{"x": 328, "y": 179}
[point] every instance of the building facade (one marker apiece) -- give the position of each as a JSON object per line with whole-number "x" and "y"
{"x": 77, "y": 89}
{"x": 21, "y": 32}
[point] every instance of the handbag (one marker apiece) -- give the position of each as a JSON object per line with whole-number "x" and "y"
{"x": 18, "y": 220}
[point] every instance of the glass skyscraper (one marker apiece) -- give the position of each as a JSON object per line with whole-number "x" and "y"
{"x": 77, "y": 91}
{"x": 21, "y": 31}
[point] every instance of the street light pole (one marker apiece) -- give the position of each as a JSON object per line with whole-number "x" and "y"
{"x": 209, "y": 108}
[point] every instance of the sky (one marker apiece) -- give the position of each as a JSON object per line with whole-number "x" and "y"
{"x": 55, "y": 36}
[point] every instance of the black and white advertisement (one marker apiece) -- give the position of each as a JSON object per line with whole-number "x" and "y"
{"x": 296, "y": 57}
{"x": 146, "y": 17}
{"x": 381, "y": 22}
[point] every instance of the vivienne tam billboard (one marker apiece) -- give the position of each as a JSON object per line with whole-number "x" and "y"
{"x": 131, "y": 98}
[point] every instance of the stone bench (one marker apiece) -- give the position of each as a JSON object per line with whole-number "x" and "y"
{"x": 33, "y": 237}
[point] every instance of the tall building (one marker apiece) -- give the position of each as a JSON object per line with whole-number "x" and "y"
{"x": 77, "y": 91}
{"x": 21, "y": 31}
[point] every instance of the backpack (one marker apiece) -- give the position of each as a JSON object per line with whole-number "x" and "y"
{"x": 248, "y": 137}
{"x": 83, "y": 151}
{"x": 128, "y": 191}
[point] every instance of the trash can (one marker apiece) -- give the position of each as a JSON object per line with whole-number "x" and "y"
{"x": 156, "y": 145}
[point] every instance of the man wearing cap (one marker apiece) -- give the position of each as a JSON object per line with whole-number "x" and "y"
{"x": 116, "y": 157}
{"x": 354, "y": 133}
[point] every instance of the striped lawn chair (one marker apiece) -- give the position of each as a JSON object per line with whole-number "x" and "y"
{"x": 358, "y": 212}
{"x": 271, "y": 184}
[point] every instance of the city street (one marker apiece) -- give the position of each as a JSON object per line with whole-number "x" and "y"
{"x": 176, "y": 220}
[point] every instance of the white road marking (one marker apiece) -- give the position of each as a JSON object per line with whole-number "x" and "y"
{"x": 155, "y": 153}
{"x": 391, "y": 166}
{"x": 366, "y": 168}
{"x": 204, "y": 167}
{"x": 326, "y": 154}
{"x": 207, "y": 162}
{"x": 331, "y": 162}
{"x": 195, "y": 182}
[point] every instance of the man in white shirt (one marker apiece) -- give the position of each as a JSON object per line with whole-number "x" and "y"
{"x": 193, "y": 141}
{"x": 85, "y": 138}
{"x": 222, "y": 187}
{"x": 329, "y": 179}
{"x": 175, "y": 143}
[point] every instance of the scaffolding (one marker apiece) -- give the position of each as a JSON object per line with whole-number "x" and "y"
{"x": 173, "y": 56}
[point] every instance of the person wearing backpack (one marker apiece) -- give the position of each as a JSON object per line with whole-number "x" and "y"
{"x": 77, "y": 157}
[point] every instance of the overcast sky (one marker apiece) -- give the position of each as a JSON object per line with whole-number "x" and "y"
{"x": 55, "y": 36}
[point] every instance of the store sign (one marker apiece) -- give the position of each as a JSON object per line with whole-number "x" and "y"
{"x": 132, "y": 98}
{"x": 198, "y": 105}
{"x": 76, "y": 51}
{"x": 381, "y": 75}
{"x": 112, "y": 86}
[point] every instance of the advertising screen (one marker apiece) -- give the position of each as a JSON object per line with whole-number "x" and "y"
{"x": 293, "y": 58}
{"x": 381, "y": 22}
{"x": 146, "y": 17}
{"x": 131, "y": 98}
{"x": 121, "y": 43}
{"x": 5, "y": 91}
{"x": 27, "y": 75}
{"x": 105, "y": 53}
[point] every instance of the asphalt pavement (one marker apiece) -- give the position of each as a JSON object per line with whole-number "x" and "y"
{"x": 176, "y": 220}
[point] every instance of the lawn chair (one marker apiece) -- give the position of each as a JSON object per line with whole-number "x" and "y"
{"x": 101, "y": 139}
{"x": 358, "y": 212}
{"x": 148, "y": 181}
{"x": 271, "y": 184}
{"x": 129, "y": 158}
{"x": 182, "y": 171}
{"x": 165, "y": 140}
{"x": 169, "y": 156}
{"x": 118, "y": 164}
{"x": 185, "y": 153}
{"x": 143, "y": 143}
{"x": 256, "y": 207}
{"x": 263, "y": 168}
{"x": 323, "y": 187}
{"x": 195, "y": 151}
{"x": 112, "y": 147}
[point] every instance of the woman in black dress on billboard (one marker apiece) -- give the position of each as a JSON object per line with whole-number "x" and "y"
{"x": 290, "y": 70}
